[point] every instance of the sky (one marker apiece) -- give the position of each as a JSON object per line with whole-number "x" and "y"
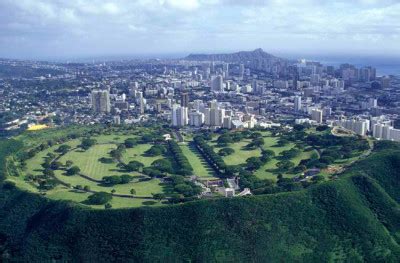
{"x": 43, "y": 29}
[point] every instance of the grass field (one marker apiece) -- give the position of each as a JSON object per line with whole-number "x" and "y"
{"x": 88, "y": 161}
{"x": 143, "y": 188}
{"x": 136, "y": 154}
{"x": 200, "y": 167}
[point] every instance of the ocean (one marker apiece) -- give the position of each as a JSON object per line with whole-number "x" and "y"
{"x": 383, "y": 65}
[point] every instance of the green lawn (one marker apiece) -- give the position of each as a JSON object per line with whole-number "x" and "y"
{"x": 143, "y": 188}
{"x": 200, "y": 167}
{"x": 88, "y": 161}
{"x": 116, "y": 202}
{"x": 136, "y": 153}
{"x": 270, "y": 144}
{"x": 113, "y": 138}
{"x": 240, "y": 155}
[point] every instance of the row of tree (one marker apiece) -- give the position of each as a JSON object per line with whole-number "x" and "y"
{"x": 184, "y": 167}
{"x": 213, "y": 159}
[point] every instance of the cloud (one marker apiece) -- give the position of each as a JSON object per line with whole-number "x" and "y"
{"x": 153, "y": 26}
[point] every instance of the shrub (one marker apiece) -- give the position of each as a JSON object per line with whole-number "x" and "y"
{"x": 99, "y": 198}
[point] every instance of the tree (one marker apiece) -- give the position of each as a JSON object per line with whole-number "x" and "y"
{"x": 73, "y": 170}
{"x": 163, "y": 165}
{"x": 108, "y": 206}
{"x": 318, "y": 178}
{"x": 113, "y": 191}
{"x": 133, "y": 191}
{"x": 126, "y": 178}
{"x": 184, "y": 189}
{"x": 121, "y": 148}
{"x": 69, "y": 163}
{"x": 87, "y": 143}
{"x": 224, "y": 139}
{"x": 111, "y": 180}
{"x": 282, "y": 142}
{"x": 175, "y": 198}
{"x": 226, "y": 151}
{"x": 99, "y": 198}
{"x": 284, "y": 165}
{"x": 55, "y": 165}
{"x": 116, "y": 154}
{"x": 158, "y": 196}
{"x": 133, "y": 166}
{"x": 63, "y": 149}
{"x": 253, "y": 163}
{"x": 255, "y": 135}
{"x": 48, "y": 172}
{"x": 86, "y": 188}
{"x": 130, "y": 142}
{"x": 156, "y": 150}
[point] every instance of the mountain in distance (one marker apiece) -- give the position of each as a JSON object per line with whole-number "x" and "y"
{"x": 241, "y": 56}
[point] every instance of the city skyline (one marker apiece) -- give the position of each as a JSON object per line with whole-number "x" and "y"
{"x": 44, "y": 29}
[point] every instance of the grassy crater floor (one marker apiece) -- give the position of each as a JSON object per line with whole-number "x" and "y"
{"x": 90, "y": 165}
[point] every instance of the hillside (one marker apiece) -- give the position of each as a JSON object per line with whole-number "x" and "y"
{"x": 355, "y": 218}
{"x": 242, "y": 56}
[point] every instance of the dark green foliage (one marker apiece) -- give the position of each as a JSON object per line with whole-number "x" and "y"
{"x": 184, "y": 187}
{"x": 224, "y": 140}
{"x": 213, "y": 159}
{"x": 162, "y": 165}
{"x": 156, "y": 150}
{"x": 99, "y": 198}
{"x": 153, "y": 172}
{"x": 115, "y": 179}
{"x": 184, "y": 167}
{"x": 73, "y": 170}
{"x": 131, "y": 142}
{"x": 133, "y": 166}
{"x": 226, "y": 151}
{"x": 63, "y": 149}
{"x": 353, "y": 219}
{"x": 87, "y": 143}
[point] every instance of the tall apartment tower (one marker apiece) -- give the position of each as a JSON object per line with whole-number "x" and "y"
{"x": 101, "y": 101}
{"x": 179, "y": 116}
{"x": 226, "y": 69}
{"x": 185, "y": 99}
{"x": 297, "y": 103}
{"x": 241, "y": 70}
{"x": 217, "y": 84}
{"x": 316, "y": 115}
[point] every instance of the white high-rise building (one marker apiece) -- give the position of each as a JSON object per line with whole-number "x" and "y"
{"x": 359, "y": 126}
{"x": 373, "y": 103}
{"x": 227, "y": 123}
{"x": 217, "y": 84}
{"x": 226, "y": 69}
{"x": 179, "y": 116}
{"x": 196, "y": 118}
{"x": 142, "y": 105}
{"x": 207, "y": 112}
{"x": 101, "y": 101}
{"x": 297, "y": 103}
{"x": 241, "y": 71}
{"x": 316, "y": 115}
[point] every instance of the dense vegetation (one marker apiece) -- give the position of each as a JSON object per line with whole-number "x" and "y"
{"x": 355, "y": 218}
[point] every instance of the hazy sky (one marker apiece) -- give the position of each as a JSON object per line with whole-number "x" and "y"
{"x": 84, "y": 28}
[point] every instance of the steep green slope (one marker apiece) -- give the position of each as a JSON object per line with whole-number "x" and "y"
{"x": 355, "y": 218}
